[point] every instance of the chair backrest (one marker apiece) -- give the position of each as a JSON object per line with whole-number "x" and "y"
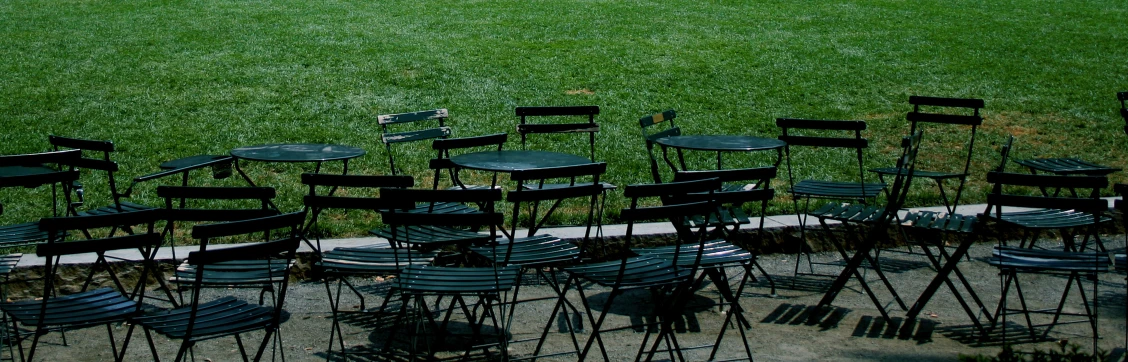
{"x": 278, "y": 254}
{"x": 1002, "y": 196}
{"x": 846, "y": 135}
{"x": 649, "y": 135}
{"x": 144, "y": 239}
{"x": 96, "y": 156}
{"x": 256, "y": 201}
{"x": 289, "y": 225}
{"x": 443, "y": 148}
{"x": 526, "y": 128}
{"x": 946, "y": 111}
{"x": 435, "y": 129}
{"x": 756, "y": 187}
{"x": 579, "y": 181}
{"x": 405, "y": 200}
{"x": 681, "y": 202}
{"x": 317, "y": 202}
{"x": 30, "y": 170}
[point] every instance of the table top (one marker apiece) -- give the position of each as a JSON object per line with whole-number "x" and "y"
{"x": 515, "y": 160}
{"x": 297, "y": 152}
{"x": 721, "y": 143}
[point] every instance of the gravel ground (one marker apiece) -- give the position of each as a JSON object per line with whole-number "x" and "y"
{"x": 779, "y": 331}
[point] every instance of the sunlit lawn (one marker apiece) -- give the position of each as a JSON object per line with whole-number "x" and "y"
{"x": 166, "y": 79}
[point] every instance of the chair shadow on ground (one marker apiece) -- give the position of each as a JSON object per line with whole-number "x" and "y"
{"x": 919, "y": 330}
{"x": 968, "y": 335}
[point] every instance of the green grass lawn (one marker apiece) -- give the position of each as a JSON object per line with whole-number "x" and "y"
{"x": 165, "y": 79}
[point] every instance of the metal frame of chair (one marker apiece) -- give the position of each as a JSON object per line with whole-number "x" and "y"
{"x": 669, "y": 277}
{"x": 880, "y": 219}
{"x": 489, "y": 285}
{"x": 87, "y": 308}
{"x": 100, "y": 163}
{"x": 389, "y": 138}
{"x": 526, "y": 128}
{"x": 442, "y": 162}
{"x": 230, "y": 316}
{"x": 918, "y": 118}
{"x": 667, "y": 118}
{"x": 542, "y": 253}
{"x": 367, "y": 260}
{"x": 31, "y": 174}
{"x": 859, "y": 190}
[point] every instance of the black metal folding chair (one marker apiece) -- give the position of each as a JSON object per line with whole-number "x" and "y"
{"x": 843, "y": 135}
{"x": 542, "y": 253}
{"x": 100, "y": 162}
{"x": 32, "y": 171}
{"x": 1071, "y": 165}
{"x": 658, "y": 120}
{"x": 1013, "y": 261}
{"x": 87, "y": 308}
{"x": 445, "y": 148}
{"x": 490, "y": 285}
{"x": 879, "y": 219}
{"x": 928, "y": 229}
{"x": 669, "y": 278}
{"x": 225, "y": 316}
{"x": 927, "y": 114}
{"x": 343, "y": 262}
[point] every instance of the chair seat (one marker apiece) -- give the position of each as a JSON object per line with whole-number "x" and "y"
{"x": 1121, "y": 262}
{"x": 939, "y": 221}
{"x": 103, "y": 305}
{"x": 640, "y": 271}
{"x": 1049, "y": 219}
{"x": 431, "y": 235}
{"x": 372, "y": 260}
{"x": 836, "y": 189}
{"x": 233, "y": 273}
{"x": 717, "y": 253}
{"x": 848, "y": 212}
{"x": 425, "y": 279}
{"x": 1066, "y": 166}
{"x": 21, "y": 235}
{"x": 935, "y": 175}
{"x": 1005, "y": 257}
{"x": 111, "y": 209}
{"x": 533, "y": 251}
{"x": 222, "y": 317}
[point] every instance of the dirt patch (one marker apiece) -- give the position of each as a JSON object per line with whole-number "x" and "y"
{"x": 582, "y": 91}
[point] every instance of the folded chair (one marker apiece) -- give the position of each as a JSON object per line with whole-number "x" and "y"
{"x": 488, "y": 285}
{"x": 665, "y": 122}
{"x": 543, "y": 253}
{"x": 929, "y": 113}
{"x": 668, "y": 277}
{"x": 844, "y": 137}
{"x": 341, "y": 263}
{"x": 879, "y": 220}
{"x": 1071, "y": 165}
{"x": 203, "y": 320}
{"x": 87, "y": 308}
{"x": 98, "y": 161}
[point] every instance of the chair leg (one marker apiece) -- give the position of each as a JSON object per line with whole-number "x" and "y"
{"x": 334, "y": 308}
{"x": 152, "y": 345}
{"x": 265, "y": 341}
{"x": 596, "y": 324}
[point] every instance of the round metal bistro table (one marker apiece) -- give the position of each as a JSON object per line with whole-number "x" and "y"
{"x": 719, "y": 144}
{"x": 296, "y": 152}
{"x": 515, "y": 160}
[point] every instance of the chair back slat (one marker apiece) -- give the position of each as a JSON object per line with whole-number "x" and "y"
{"x": 558, "y": 128}
{"x": 657, "y": 118}
{"x": 217, "y": 215}
{"x": 818, "y": 124}
{"x": 555, "y": 193}
{"x": 128, "y": 242}
{"x": 664, "y": 212}
{"x": 455, "y": 220}
{"x": 742, "y": 196}
{"x": 1044, "y": 202}
{"x": 291, "y": 220}
{"x": 95, "y": 164}
{"x": 944, "y": 118}
{"x": 81, "y": 144}
{"x": 412, "y": 116}
{"x": 37, "y": 179}
{"x": 469, "y": 142}
{"x": 730, "y": 175}
{"x": 672, "y": 188}
{"x": 832, "y": 142}
{"x": 1047, "y": 181}
{"x": 432, "y": 196}
{"x": 376, "y": 181}
{"x": 559, "y": 172}
{"x": 60, "y": 224}
{"x": 352, "y": 203}
{"x": 412, "y": 136}
{"x": 672, "y": 132}
{"x": 541, "y": 111}
{"x": 946, "y": 102}
{"x": 64, "y": 157}
{"x": 283, "y": 248}
{"x": 216, "y": 193}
